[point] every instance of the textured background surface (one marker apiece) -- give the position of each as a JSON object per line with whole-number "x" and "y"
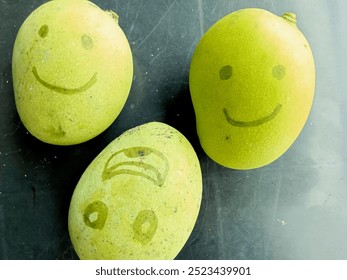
{"x": 295, "y": 208}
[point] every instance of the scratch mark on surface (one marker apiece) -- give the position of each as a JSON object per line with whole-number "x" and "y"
{"x": 239, "y": 231}
{"x": 139, "y": 7}
{"x": 215, "y": 8}
{"x": 189, "y": 54}
{"x": 138, "y": 11}
{"x": 156, "y": 26}
{"x": 160, "y": 53}
{"x": 219, "y": 220}
{"x": 127, "y": 10}
{"x": 14, "y": 131}
{"x": 116, "y": 4}
{"x": 204, "y": 206}
{"x": 201, "y": 17}
{"x": 275, "y": 209}
{"x": 131, "y": 29}
{"x": 257, "y": 190}
{"x": 164, "y": 3}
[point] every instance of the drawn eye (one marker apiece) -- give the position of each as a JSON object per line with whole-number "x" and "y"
{"x": 279, "y": 71}
{"x": 43, "y": 31}
{"x": 225, "y": 72}
{"x": 95, "y": 215}
{"x": 145, "y": 226}
{"x": 87, "y": 42}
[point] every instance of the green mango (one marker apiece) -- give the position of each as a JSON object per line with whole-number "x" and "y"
{"x": 72, "y": 71}
{"x": 139, "y": 198}
{"x": 252, "y": 81}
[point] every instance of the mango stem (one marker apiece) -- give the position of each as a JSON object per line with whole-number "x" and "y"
{"x": 113, "y": 15}
{"x": 290, "y": 17}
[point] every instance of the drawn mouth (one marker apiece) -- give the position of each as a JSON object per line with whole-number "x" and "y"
{"x": 255, "y": 122}
{"x": 65, "y": 90}
{"x": 138, "y": 161}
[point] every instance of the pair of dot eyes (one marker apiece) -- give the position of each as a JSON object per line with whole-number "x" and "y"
{"x": 86, "y": 40}
{"x": 278, "y": 72}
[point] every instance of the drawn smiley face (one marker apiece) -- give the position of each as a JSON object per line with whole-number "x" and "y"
{"x": 252, "y": 82}
{"x": 70, "y": 48}
{"x": 71, "y": 64}
{"x": 278, "y": 73}
{"x": 86, "y": 44}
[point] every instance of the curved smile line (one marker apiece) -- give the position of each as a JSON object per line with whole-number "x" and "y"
{"x": 255, "y": 122}
{"x": 64, "y": 90}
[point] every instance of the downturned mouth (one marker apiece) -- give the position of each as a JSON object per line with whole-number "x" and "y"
{"x": 138, "y": 161}
{"x": 253, "y": 123}
{"x": 65, "y": 90}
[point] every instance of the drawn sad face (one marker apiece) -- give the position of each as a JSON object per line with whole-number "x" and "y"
{"x": 139, "y": 198}
{"x": 147, "y": 169}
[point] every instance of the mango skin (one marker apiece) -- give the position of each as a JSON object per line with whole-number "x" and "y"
{"x": 72, "y": 71}
{"x": 252, "y": 80}
{"x": 139, "y": 198}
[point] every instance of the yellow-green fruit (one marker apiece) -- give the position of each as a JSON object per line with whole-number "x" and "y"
{"x": 139, "y": 198}
{"x": 72, "y": 71}
{"x": 252, "y": 81}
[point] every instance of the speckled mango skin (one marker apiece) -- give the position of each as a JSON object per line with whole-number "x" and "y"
{"x": 139, "y": 198}
{"x": 252, "y": 80}
{"x": 72, "y": 71}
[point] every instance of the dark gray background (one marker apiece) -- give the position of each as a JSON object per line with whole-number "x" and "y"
{"x": 295, "y": 208}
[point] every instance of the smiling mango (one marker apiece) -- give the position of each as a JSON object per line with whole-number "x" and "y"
{"x": 252, "y": 80}
{"x": 72, "y": 71}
